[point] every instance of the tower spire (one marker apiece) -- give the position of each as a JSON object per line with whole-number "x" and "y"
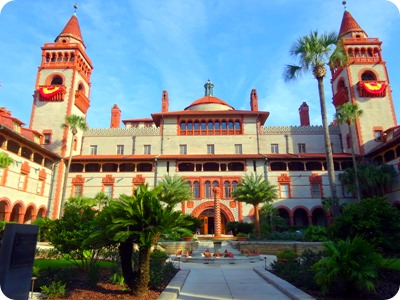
{"x": 350, "y": 27}
{"x": 72, "y": 30}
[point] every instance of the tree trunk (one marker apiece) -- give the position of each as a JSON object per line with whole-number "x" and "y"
{"x": 66, "y": 171}
{"x": 142, "y": 282}
{"x": 353, "y": 156}
{"x": 257, "y": 220}
{"x": 328, "y": 148}
{"x": 125, "y": 250}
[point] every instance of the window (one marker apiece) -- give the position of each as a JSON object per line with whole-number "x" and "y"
{"x": 93, "y": 149}
{"x": 182, "y": 149}
{"x": 378, "y": 135}
{"x": 210, "y": 149}
{"x": 120, "y": 149}
{"x": 108, "y": 190}
{"x": 147, "y": 149}
{"x": 238, "y": 148}
{"x": 196, "y": 190}
{"x": 316, "y": 190}
{"x": 207, "y": 189}
{"x": 57, "y": 80}
{"x": 302, "y": 148}
{"x": 348, "y": 141}
{"x": 22, "y": 182}
{"x": 40, "y": 187}
{"x": 368, "y": 75}
{"x": 78, "y": 189}
{"x": 284, "y": 189}
{"x": 275, "y": 148}
{"x": 47, "y": 138}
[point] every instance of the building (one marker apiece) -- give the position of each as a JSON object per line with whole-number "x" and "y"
{"x": 209, "y": 142}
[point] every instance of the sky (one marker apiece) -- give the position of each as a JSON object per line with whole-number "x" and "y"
{"x": 140, "y": 48}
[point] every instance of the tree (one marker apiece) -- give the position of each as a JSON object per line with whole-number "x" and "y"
{"x": 348, "y": 113}
{"x": 73, "y": 123}
{"x": 255, "y": 190}
{"x": 5, "y": 160}
{"x": 139, "y": 219}
{"x": 174, "y": 190}
{"x": 313, "y": 52}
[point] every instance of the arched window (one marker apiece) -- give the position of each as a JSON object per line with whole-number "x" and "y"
{"x": 234, "y": 186}
{"x": 196, "y": 190}
{"x": 81, "y": 87}
{"x": 368, "y": 75}
{"x": 223, "y": 125}
{"x": 57, "y": 80}
{"x": 196, "y": 125}
{"x": 210, "y": 126}
{"x": 217, "y": 125}
{"x": 183, "y": 125}
{"x": 207, "y": 189}
{"x": 203, "y": 125}
{"x": 190, "y": 125}
{"x": 227, "y": 190}
{"x": 230, "y": 125}
{"x": 237, "y": 125}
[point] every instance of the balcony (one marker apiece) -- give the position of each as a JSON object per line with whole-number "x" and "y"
{"x": 372, "y": 88}
{"x": 341, "y": 96}
{"x": 50, "y": 93}
{"x": 81, "y": 101}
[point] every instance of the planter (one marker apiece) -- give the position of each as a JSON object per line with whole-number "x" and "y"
{"x": 241, "y": 238}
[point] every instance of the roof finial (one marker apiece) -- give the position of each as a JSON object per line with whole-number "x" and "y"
{"x": 75, "y": 8}
{"x": 344, "y": 4}
{"x": 209, "y": 86}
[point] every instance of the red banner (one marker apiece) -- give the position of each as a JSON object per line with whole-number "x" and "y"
{"x": 373, "y": 87}
{"x": 48, "y": 92}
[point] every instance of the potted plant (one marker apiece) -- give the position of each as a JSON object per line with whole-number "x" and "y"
{"x": 241, "y": 236}
{"x": 188, "y": 237}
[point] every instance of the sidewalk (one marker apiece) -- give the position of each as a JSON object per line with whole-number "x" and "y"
{"x": 244, "y": 281}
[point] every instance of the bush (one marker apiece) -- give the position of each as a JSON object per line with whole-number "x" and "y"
{"x": 55, "y": 290}
{"x": 161, "y": 271}
{"x": 374, "y": 219}
{"x": 315, "y": 234}
{"x": 349, "y": 266}
{"x": 237, "y": 227}
{"x": 287, "y": 254}
{"x": 285, "y": 236}
{"x": 44, "y": 225}
{"x": 299, "y": 272}
{"x": 45, "y": 277}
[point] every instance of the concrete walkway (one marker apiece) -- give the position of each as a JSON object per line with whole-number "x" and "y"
{"x": 243, "y": 281}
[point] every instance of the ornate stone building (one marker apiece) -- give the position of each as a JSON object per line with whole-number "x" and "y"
{"x": 209, "y": 143}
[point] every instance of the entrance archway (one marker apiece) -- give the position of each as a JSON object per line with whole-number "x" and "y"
{"x": 205, "y": 212}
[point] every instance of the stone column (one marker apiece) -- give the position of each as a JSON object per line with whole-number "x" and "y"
{"x": 217, "y": 212}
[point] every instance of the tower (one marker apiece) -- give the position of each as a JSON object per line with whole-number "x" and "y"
{"x": 363, "y": 81}
{"x": 62, "y": 88}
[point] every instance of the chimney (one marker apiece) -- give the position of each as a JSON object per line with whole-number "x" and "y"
{"x": 115, "y": 116}
{"x": 304, "y": 116}
{"x": 253, "y": 100}
{"x": 164, "y": 101}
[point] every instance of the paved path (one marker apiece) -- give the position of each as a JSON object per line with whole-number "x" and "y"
{"x": 227, "y": 281}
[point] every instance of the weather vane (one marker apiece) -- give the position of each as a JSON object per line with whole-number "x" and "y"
{"x": 344, "y": 3}
{"x": 76, "y": 7}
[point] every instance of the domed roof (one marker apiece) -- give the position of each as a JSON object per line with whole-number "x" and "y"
{"x": 209, "y": 102}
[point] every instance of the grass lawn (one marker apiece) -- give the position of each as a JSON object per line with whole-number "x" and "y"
{"x": 391, "y": 263}
{"x": 62, "y": 263}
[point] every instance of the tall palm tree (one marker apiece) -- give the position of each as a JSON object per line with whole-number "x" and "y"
{"x": 73, "y": 123}
{"x": 139, "y": 219}
{"x": 348, "y": 113}
{"x": 255, "y": 190}
{"x": 313, "y": 52}
{"x": 5, "y": 160}
{"x": 173, "y": 190}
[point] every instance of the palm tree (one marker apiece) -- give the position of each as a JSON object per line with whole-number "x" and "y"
{"x": 348, "y": 113}
{"x": 5, "y": 160}
{"x": 139, "y": 219}
{"x": 73, "y": 123}
{"x": 173, "y": 190}
{"x": 313, "y": 52}
{"x": 255, "y": 190}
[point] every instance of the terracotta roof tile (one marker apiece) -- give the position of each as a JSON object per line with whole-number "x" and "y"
{"x": 72, "y": 29}
{"x": 209, "y": 100}
{"x": 348, "y": 24}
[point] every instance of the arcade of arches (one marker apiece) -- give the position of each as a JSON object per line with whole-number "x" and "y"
{"x": 20, "y": 213}
{"x": 302, "y": 216}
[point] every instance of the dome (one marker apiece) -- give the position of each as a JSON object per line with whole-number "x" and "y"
{"x": 209, "y": 102}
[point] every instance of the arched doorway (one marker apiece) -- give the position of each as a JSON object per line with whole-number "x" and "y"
{"x": 205, "y": 212}
{"x": 207, "y": 218}
{"x": 15, "y": 213}
{"x": 318, "y": 217}
{"x": 300, "y": 217}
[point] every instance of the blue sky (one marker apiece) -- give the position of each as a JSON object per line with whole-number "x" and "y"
{"x": 140, "y": 48}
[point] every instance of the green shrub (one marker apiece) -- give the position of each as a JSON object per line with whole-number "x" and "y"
{"x": 349, "y": 266}
{"x": 374, "y": 219}
{"x": 45, "y": 276}
{"x": 157, "y": 269}
{"x": 44, "y": 225}
{"x": 287, "y": 254}
{"x": 315, "y": 234}
{"x": 298, "y": 272}
{"x": 56, "y": 289}
{"x": 284, "y": 236}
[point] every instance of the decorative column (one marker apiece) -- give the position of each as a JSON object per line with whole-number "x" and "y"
{"x": 217, "y": 212}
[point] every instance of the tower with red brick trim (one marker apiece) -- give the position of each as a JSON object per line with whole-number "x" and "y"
{"x": 365, "y": 81}
{"x": 62, "y": 88}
